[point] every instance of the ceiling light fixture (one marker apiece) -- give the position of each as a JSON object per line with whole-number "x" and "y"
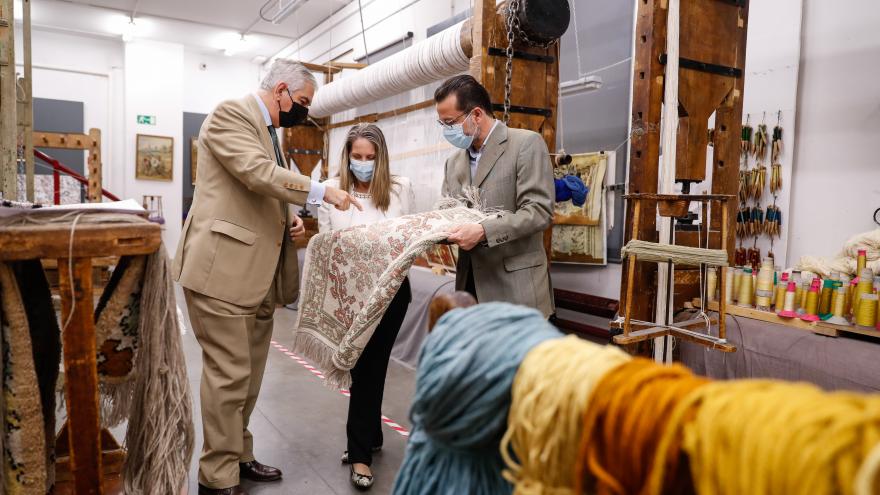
{"x": 128, "y": 31}
{"x": 275, "y": 11}
{"x": 580, "y": 85}
{"x": 237, "y": 46}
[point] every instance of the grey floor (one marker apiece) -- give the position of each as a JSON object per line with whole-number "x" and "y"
{"x": 299, "y": 425}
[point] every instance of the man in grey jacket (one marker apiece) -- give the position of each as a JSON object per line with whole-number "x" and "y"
{"x": 502, "y": 258}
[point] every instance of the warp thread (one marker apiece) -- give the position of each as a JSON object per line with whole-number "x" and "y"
{"x": 549, "y": 397}
{"x": 466, "y": 368}
{"x": 629, "y": 410}
{"x": 765, "y": 437}
{"x": 681, "y": 255}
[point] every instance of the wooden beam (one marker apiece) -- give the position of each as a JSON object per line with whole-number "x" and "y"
{"x": 28, "y": 117}
{"x": 346, "y": 65}
{"x": 67, "y": 141}
{"x": 577, "y": 328}
{"x": 8, "y": 104}
{"x": 42, "y": 241}
{"x": 375, "y": 117}
{"x": 81, "y": 373}
{"x": 321, "y": 68}
{"x": 586, "y": 303}
{"x": 94, "y": 161}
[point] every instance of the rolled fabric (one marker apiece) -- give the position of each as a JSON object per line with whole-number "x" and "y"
{"x": 459, "y": 412}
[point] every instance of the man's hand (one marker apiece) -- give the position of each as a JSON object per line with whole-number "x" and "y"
{"x": 340, "y": 199}
{"x": 467, "y": 236}
{"x": 297, "y": 229}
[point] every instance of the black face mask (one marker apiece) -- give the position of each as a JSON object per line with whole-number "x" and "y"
{"x": 296, "y": 115}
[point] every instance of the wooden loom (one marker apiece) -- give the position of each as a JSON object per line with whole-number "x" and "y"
{"x": 711, "y": 80}
{"x": 534, "y": 86}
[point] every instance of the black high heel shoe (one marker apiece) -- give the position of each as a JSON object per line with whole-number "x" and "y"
{"x": 360, "y": 481}
{"x": 344, "y": 458}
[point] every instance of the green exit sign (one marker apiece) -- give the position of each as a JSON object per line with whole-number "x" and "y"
{"x": 147, "y": 119}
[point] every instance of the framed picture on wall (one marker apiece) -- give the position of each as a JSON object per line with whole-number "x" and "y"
{"x": 193, "y": 158}
{"x": 154, "y": 157}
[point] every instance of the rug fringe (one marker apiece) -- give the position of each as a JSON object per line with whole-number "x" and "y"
{"x": 321, "y": 355}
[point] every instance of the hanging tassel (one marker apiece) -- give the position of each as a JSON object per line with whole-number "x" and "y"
{"x": 776, "y": 178}
{"x": 744, "y": 177}
{"x": 742, "y": 218}
{"x": 757, "y": 180}
{"x": 740, "y": 257}
{"x": 746, "y": 140}
{"x": 754, "y": 256}
{"x": 757, "y": 221}
{"x": 760, "y": 147}
{"x": 776, "y": 148}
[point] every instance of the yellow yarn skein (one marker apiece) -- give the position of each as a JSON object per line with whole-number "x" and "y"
{"x": 765, "y": 437}
{"x": 550, "y": 393}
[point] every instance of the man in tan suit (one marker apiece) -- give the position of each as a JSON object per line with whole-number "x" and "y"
{"x": 502, "y": 258}
{"x": 236, "y": 261}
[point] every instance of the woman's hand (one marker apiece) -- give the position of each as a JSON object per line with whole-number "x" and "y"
{"x": 297, "y": 229}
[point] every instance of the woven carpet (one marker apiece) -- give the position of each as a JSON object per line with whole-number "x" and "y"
{"x": 350, "y": 277}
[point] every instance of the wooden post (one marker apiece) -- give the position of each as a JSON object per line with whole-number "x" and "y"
{"x": 95, "y": 178}
{"x": 81, "y": 374}
{"x": 8, "y": 104}
{"x": 28, "y": 118}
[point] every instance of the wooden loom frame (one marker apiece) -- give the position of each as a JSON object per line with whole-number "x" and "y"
{"x": 711, "y": 79}
{"x": 534, "y": 89}
{"x": 90, "y": 142}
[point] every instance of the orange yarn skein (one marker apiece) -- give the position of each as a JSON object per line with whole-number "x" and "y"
{"x": 628, "y": 414}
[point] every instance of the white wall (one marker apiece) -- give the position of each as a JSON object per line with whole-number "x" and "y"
{"x": 154, "y": 86}
{"x": 85, "y": 69}
{"x": 221, "y": 79}
{"x": 836, "y": 183}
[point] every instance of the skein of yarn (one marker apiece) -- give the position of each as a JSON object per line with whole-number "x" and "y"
{"x": 466, "y": 369}
{"x": 764, "y": 437}
{"x": 549, "y": 396}
{"x": 628, "y": 412}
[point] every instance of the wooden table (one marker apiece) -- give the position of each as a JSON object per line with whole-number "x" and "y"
{"x": 80, "y": 364}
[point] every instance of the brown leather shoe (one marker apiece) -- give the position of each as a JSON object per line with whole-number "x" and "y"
{"x": 255, "y": 471}
{"x": 235, "y": 490}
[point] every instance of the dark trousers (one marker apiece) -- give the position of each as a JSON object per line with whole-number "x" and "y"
{"x": 364, "y": 427}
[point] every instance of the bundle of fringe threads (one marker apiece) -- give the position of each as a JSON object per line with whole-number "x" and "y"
{"x": 506, "y": 404}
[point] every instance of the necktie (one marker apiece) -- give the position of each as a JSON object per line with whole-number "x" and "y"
{"x": 278, "y": 156}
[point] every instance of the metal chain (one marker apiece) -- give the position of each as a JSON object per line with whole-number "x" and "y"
{"x": 512, "y": 23}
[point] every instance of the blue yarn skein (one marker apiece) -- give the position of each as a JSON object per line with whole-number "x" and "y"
{"x": 459, "y": 413}
{"x": 571, "y": 187}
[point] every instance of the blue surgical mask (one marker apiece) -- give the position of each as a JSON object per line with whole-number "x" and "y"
{"x": 456, "y": 136}
{"x": 362, "y": 169}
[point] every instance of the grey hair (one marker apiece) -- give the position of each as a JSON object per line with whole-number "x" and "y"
{"x": 295, "y": 74}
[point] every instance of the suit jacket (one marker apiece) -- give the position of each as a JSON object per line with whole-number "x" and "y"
{"x": 514, "y": 174}
{"x": 236, "y": 233}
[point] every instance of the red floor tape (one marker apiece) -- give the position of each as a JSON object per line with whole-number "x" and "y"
{"x": 305, "y": 364}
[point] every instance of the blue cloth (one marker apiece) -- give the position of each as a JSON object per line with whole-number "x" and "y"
{"x": 459, "y": 413}
{"x": 571, "y": 187}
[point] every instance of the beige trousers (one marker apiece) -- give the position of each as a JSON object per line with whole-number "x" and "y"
{"x": 235, "y": 344}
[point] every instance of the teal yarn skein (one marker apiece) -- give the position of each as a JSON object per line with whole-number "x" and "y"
{"x": 459, "y": 412}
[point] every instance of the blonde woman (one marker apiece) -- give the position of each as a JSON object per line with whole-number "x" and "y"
{"x": 365, "y": 174}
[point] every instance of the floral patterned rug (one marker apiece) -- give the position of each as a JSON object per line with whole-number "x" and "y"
{"x": 350, "y": 277}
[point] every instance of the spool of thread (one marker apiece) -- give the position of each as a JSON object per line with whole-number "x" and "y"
{"x": 864, "y": 286}
{"x": 861, "y": 261}
{"x": 811, "y": 305}
{"x": 876, "y": 283}
{"x": 788, "y": 304}
{"x": 764, "y": 284}
{"x": 801, "y": 297}
{"x": 737, "y": 279}
{"x": 730, "y": 278}
{"x": 867, "y": 312}
{"x": 845, "y": 282}
{"x": 746, "y": 291}
{"x": 711, "y": 284}
{"x": 825, "y": 299}
{"x": 780, "y": 292}
{"x": 838, "y": 306}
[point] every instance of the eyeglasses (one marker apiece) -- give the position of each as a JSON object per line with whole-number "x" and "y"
{"x": 454, "y": 121}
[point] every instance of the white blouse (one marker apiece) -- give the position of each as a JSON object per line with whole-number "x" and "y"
{"x": 402, "y": 200}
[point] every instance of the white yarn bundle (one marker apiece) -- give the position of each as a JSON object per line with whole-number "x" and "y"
{"x": 430, "y": 60}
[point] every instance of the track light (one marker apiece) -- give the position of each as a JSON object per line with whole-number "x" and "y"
{"x": 580, "y": 85}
